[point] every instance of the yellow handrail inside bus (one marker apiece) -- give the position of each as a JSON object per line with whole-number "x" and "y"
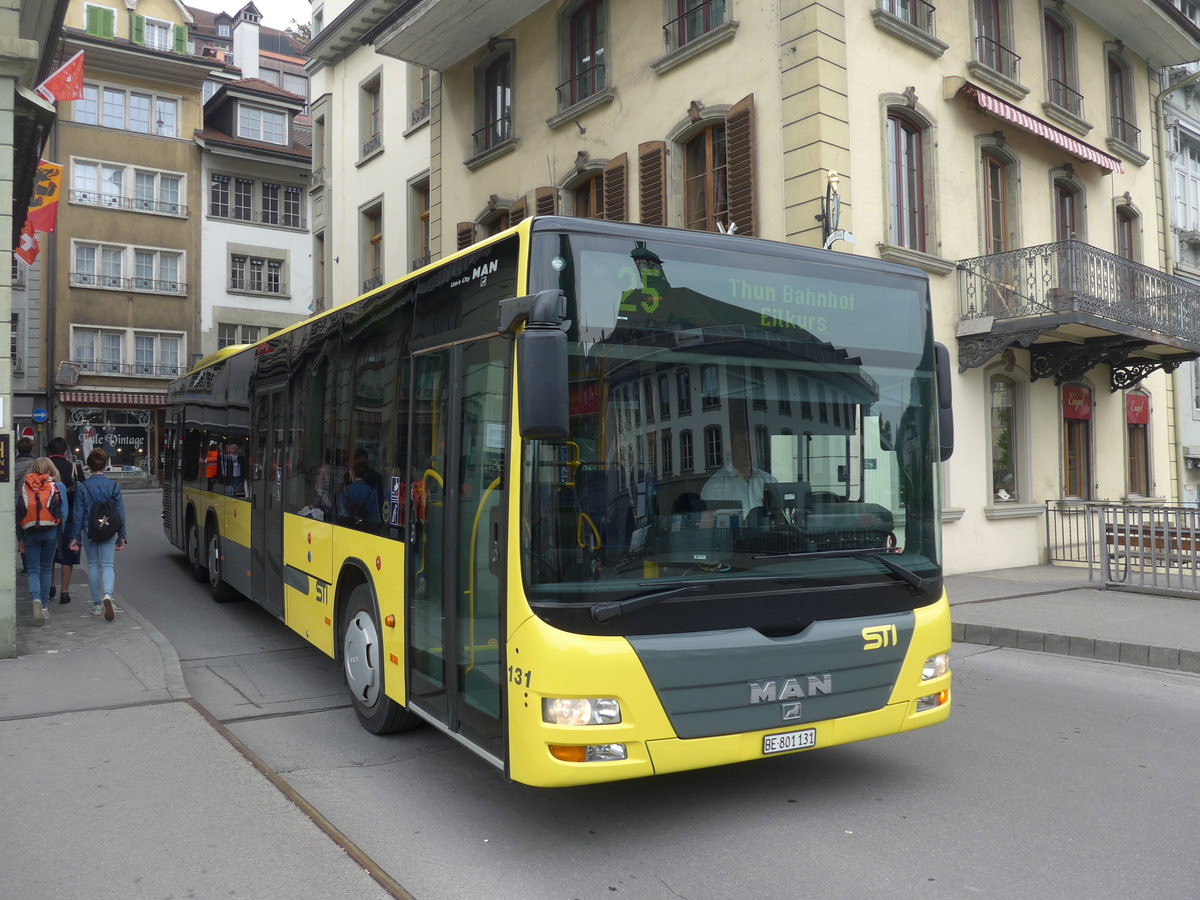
{"x": 471, "y": 565}
{"x": 584, "y": 517}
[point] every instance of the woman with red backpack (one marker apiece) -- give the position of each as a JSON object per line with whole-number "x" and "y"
{"x": 42, "y": 507}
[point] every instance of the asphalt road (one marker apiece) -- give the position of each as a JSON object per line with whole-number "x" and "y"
{"x": 1054, "y": 777}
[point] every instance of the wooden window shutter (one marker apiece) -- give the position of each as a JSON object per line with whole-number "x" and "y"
{"x": 179, "y": 38}
{"x": 652, "y": 181}
{"x": 137, "y": 29}
{"x": 614, "y": 189}
{"x": 516, "y": 212}
{"x": 545, "y": 201}
{"x": 739, "y": 172}
{"x": 466, "y": 234}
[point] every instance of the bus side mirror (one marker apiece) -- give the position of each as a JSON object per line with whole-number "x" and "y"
{"x": 542, "y": 370}
{"x": 945, "y": 413}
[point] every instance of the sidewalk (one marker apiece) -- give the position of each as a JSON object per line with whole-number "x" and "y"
{"x": 1055, "y": 609}
{"x": 116, "y": 786}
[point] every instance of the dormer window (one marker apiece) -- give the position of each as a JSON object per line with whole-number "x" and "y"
{"x": 258, "y": 124}
{"x": 223, "y": 30}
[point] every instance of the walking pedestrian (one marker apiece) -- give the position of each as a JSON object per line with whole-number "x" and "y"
{"x": 98, "y": 524}
{"x": 21, "y": 464}
{"x": 42, "y": 507}
{"x": 72, "y": 474}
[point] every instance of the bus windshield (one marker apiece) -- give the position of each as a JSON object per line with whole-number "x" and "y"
{"x": 737, "y": 417}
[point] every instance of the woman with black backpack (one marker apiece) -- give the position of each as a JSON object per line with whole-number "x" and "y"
{"x": 98, "y": 524}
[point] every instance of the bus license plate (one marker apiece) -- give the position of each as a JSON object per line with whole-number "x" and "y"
{"x": 790, "y": 740}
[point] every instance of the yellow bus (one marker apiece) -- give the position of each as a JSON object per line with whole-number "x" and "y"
{"x": 597, "y": 500}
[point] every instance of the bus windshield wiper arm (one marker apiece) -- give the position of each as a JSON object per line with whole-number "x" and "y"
{"x": 602, "y": 612}
{"x": 908, "y": 576}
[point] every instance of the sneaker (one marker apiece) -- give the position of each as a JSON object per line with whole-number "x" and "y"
{"x": 65, "y": 598}
{"x": 110, "y": 611}
{"x": 39, "y": 617}
{"x": 53, "y": 591}
{"x": 97, "y": 609}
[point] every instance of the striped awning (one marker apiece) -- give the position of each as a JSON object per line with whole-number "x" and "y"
{"x": 992, "y": 104}
{"x": 112, "y": 398}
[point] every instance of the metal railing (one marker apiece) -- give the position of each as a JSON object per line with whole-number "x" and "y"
{"x": 419, "y": 113}
{"x": 259, "y": 217}
{"x": 996, "y": 56}
{"x": 137, "y": 204}
{"x": 581, "y": 85}
{"x": 317, "y": 178}
{"x": 1128, "y": 545}
{"x": 1065, "y": 96}
{"x": 420, "y": 261}
{"x": 916, "y": 13}
{"x": 1125, "y": 132}
{"x": 370, "y": 146}
{"x": 492, "y": 134}
{"x": 369, "y": 284}
{"x": 694, "y": 22}
{"x": 1071, "y": 276}
{"x": 127, "y": 283}
{"x": 107, "y": 367}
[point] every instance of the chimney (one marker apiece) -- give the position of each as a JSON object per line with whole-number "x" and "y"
{"x": 245, "y": 41}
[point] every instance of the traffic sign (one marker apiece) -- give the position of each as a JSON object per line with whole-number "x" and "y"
{"x": 39, "y": 415}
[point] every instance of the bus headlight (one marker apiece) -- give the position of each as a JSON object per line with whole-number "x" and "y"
{"x": 936, "y": 666}
{"x": 568, "y": 711}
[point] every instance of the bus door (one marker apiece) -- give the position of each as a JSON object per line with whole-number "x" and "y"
{"x": 266, "y": 473}
{"x": 457, "y": 539}
{"x": 172, "y": 474}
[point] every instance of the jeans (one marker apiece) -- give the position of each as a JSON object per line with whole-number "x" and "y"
{"x": 40, "y": 547}
{"x": 102, "y": 576}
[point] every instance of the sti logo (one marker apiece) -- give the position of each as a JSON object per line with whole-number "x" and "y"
{"x": 879, "y": 636}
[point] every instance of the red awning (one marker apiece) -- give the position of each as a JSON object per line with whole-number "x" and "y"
{"x": 999, "y": 108}
{"x": 111, "y": 398}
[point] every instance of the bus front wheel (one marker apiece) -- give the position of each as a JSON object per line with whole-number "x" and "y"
{"x": 362, "y": 664}
{"x": 221, "y": 592}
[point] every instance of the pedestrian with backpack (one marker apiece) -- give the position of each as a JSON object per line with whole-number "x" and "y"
{"x": 72, "y": 474}
{"x": 98, "y": 525}
{"x": 42, "y": 507}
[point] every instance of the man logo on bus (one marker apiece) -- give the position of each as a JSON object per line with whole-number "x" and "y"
{"x": 773, "y": 691}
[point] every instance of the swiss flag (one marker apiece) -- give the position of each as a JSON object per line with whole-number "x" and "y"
{"x": 66, "y": 82}
{"x": 27, "y": 248}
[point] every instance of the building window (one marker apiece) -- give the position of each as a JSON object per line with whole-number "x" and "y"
{"x": 105, "y": 351}
{"x": 494, "y": 86}
{"x": 256, "y": 274}
{"x": 1060, "y": 65}
{"x": 781, "y": 387}
{"x": 762, "y": 448}
{"x": 270, "y": 203}
{"x": 15, "y": 343}
{"x": 109, "y": 185}
{"x": 156, "y": 354}
{"x": 230, "y": 334}
{"x": 664, "y": 397}
{"x": 1068, "y": 210}
{"x": 587, "y": 197}
{"x": 1126, "y": 233}
{"x": 419, "y": 231}
{"x": 157, "y": 35}
{"x": 1003, "y": 423}
{"x": 134, "y": 111}
{"x": 372, "y": 247}
{"x": 758, "y": 388}
{"x": 992, "y": 38}
{"x": 257, "y": 124}
{"x": 1120, "y": 102}
{"x": 683, "y": 383}
{"x": 668, "y": 455}
{"x": 108, "y": 266}
{"x": 906, "y": 177}
{"x": 714, "y": 450}
{"x": 693, "y": 19}
{"x": 997, "y": 178}
{"x": 243, "y": 199}
{"x": 686, "y": 458}
{"x": 218, "y": 202}
{"x": 917, "y": 13}
{"x": 705, "y": 188}
{"x": 292, "y": 216}
{"x": 1137, "y": 443}
{"x": 1077, "y": 441}
{"x": 586, "y": 39}
{"x": 372, "y": 116}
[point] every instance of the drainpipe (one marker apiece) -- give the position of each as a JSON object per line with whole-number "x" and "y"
{"x": 1169, "y": 259}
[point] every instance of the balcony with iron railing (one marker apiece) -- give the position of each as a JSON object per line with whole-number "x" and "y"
{"x": 137, "y": 204}
{"x": 697, "y": 20}
{"x": 492, "y": 134}
{"x": 369, "y": 284}
{"x": 997, "y": 57}
{"x": 916, "y": 13}
{"x": 115, "y": 367}
{"x": 581, "y": 85}
{"x": 372, "y": 145}
{"x": 1125, "y": 132}
{"x": 419, "y": 113}
{"x": 1062, "y": 94}
{"x": 127, "y": 283}
{"x": 1079, "y": 295}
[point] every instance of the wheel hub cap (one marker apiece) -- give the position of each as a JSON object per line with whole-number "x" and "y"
{"x": 360, "y": 651}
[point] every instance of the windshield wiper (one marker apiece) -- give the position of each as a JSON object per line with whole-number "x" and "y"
{"x": 908, "y": 576}
{"x": 602, "y": 612}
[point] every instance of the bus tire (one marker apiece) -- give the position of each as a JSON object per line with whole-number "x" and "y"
{"x": 217, "y": 586}
{"x": 363, "y": 664}
{"x": 195, "y": 554}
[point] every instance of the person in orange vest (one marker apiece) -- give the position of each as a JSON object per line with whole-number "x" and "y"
{"x": 213, "y": 464}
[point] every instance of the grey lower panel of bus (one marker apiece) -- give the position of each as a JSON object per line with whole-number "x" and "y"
{"x": 728, "y": 682}
{"x": 235, "y": 566}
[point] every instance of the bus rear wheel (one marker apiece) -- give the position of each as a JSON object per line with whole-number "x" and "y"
{"x": 221, "y": 592}
{"x": 362, "y": 665}
{"x": 195, "y": 553}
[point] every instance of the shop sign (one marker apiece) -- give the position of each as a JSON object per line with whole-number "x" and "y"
{"x": 1137, "y": 409}
{"x": 1077, "y": 402}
